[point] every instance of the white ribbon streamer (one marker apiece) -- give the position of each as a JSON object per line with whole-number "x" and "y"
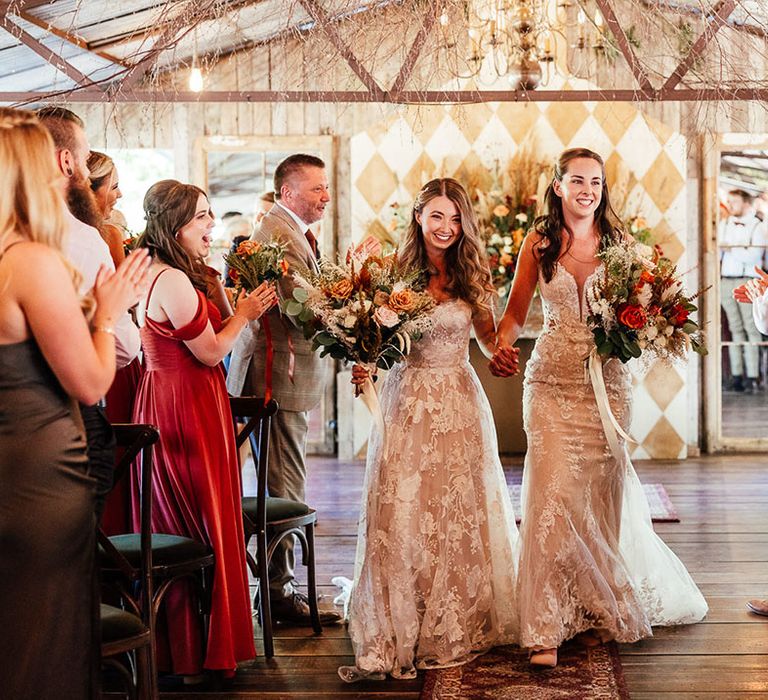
{"x": 611, "y": 426}
{"x": 371, "y": 400}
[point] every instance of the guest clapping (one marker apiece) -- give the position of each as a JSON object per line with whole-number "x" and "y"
{"x": 48, "y": 353}
{"x": 182, "y": 392}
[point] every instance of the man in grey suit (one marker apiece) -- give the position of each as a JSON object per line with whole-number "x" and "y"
{"x": 301, "y": 195}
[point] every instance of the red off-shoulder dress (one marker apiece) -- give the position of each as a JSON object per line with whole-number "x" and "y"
{"x": 196, "y": 491}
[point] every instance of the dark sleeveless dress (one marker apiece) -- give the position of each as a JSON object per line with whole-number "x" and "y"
{"x": 48, "y": 640}
{"x": 196, "y": 491}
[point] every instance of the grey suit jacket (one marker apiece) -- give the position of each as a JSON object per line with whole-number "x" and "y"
{"x": 246, "y": 369}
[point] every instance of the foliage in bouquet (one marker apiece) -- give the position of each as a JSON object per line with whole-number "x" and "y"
{"x": 367, "y": 311}
{"x": 637, "y": 304}
{"x": 253, "y": 262}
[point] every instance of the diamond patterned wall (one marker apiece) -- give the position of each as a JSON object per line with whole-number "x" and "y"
{"x": 391, "y": 160}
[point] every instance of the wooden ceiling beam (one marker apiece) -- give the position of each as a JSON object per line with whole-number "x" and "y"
{"x": 68, "y": 37}
{"x": 57, "y": 61}
{"x": 641, "y": 77}
{"x": 720, "y": 15}
{"x": 323, "y": 22}
{"x": 404, "y": 97}
{"x": 430, "y": 15}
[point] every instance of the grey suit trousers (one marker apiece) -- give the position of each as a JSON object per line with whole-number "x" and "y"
{"x": 286, "y": 479}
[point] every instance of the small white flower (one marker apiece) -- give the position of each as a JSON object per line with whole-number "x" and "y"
{"x": 508, "y": 240}
{"x": 349, "y": 321}
{"x": 522, "y": 217}
{"x": 651, "y": 332}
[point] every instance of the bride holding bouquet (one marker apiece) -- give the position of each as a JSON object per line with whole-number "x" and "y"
{"x": 437, "y": 547}
{"x": 591, "y": 565}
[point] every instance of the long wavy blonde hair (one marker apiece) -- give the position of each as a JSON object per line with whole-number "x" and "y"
{"x": 31, "y": 186}
{"x": 469, "y": 275}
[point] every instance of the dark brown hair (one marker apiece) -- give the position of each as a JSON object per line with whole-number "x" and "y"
{"x": 745, "y": 196}
{"x": 551, "y": 225}
{"x": 168, "y": 206}
{"x": 291, "y": 165}
{"x": 469, "y": 276}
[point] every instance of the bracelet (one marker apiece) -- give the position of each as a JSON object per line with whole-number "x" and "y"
{"x": 104, "y": 329}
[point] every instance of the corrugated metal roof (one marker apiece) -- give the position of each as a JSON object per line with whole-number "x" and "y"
{"x": 129, "y": 29}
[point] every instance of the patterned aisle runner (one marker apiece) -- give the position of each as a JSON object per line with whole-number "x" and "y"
{"x": 505, "y": 674}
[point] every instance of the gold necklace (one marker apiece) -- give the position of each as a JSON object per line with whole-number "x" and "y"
{"x": 583, "y": 262}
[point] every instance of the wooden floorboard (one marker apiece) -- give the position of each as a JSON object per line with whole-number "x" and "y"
{"x": 722, "y": 539}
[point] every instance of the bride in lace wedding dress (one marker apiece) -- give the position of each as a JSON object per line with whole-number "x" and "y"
{"x": 591, "y": 564}
{"x": 437, "y": 547}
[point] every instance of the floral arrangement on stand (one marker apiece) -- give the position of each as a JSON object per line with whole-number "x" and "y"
{"x": 637, "y": 305}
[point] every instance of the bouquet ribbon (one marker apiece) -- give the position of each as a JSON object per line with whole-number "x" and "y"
{"x": 611, "y": 426}
{"x": 371, "y": 400}
{"x": 270, "y": 359}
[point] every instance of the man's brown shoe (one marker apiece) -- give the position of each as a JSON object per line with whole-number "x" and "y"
{"x": 294, "y": 610}
{"x": 759, "y": 607}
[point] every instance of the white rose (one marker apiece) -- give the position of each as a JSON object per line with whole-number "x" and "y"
{"x": 386, "y": 317}
{"x": 661, "y": 341}
{"x": 651, "y": 332}
{"x": 522, "y": 217}
{"x": 349, "y": 321}
{"x": 669, "y": 330}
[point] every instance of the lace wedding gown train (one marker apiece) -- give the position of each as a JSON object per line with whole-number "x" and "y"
{"x": 437, "y": 546}
{"x": 590, "y": 557}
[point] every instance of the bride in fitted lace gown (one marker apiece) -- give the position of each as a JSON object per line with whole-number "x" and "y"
{"x": 591, "y": 563}
{"x": 437, "y": 549}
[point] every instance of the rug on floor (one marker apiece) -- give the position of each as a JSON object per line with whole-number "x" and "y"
{"x": 662, "y": 510}
{"x": 505, "y": 674}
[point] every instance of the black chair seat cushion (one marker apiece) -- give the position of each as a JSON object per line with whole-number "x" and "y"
{"x": 167, "y": 550}
{"x": 277, "y": 508}
{"x": 119, "y": 624}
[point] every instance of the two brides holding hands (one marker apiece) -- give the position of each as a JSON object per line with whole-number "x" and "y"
{"x": 442, "y": 573}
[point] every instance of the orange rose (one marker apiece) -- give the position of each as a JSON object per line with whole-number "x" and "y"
{"x": 646, "y": 276}
{"x": 284, "y": 266}
{"x": 402, "y": 300}
{"x": 248, "y": 247}
{"x": 632, "y": 316}
{"x": 342, "y": 289}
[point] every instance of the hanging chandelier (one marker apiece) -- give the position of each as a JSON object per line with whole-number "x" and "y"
{"x": 519, "y": 40}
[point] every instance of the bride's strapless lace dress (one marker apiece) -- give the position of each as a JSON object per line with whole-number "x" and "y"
{"x": 438, "y": 545}
{"x": 590, "y": 557}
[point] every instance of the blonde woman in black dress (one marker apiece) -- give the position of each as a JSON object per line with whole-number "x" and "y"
{"x": 49, "y": 358}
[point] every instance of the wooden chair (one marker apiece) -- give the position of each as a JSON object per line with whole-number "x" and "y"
{"x": 173, "y": 557}
{"x": 269, "y": 519}
{"x": 131, "y": 632}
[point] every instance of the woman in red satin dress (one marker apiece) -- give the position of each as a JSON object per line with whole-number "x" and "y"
{"x": 182, "y": 392}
